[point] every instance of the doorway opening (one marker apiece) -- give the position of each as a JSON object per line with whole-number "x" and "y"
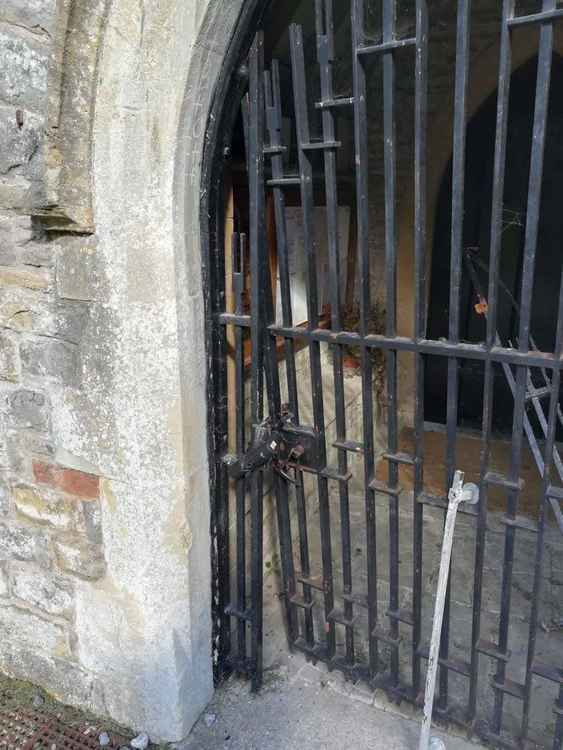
{"x": 329, "y": 488}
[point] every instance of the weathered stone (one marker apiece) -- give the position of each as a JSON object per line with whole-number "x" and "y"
{"x": 23, "y": 71}
{"x": 76, "y": 271}
{"x": 30, "y": 408}
{"x": 71, "y": 318}
{"x": 22, "y": 543}
{"x": 35, "y": 15}
{"x": 90, "y": 522}
{"x": 36, "y": 254}
{"x": 18, "y": 144}
{"x": 71, "y": 481}
{"x": 14, "y": 230}
{"x": 9, "y": 357}
{"x": 52, "y": 358}
{"x": 47, "y": 591}
{"x": 77, "y": 556}
{"x": 62, "y": 678}
{"x": 44, "y": 509}
{"x": 33, "y": 631}
{"x": 25, "y": 277}
{"x": 4, "y": 588}
{"x": 4, "y": 499}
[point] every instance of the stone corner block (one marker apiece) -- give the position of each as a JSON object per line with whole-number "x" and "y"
{"x": 76, "y": 275}
{"x": 79, "y": 557}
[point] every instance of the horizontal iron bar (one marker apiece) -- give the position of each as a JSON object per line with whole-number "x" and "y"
{"x": 454, "y": 665}
{"x": 422, "y": 346}
{"x": 342, "y": 101}
{"x": 498, "y": 480}
{"x": 548, "y": 672}
{"x": 383, "y": 635}
{"x": 283, "y": 182}
{"x": 349, "y": 445}
{"x": 400, "y": 458}
{"x": 331, "y": 473}
{"x": 401, "y": 615}
{"x": 520, "y": 522}
{"x": 541, "y": 17}
{"x": 300, "y": 602}
{"x": 441, "y": 502}
{"x": 320, "y": 145}
{"x": 227, "y": 319}
{"x": 360, "y": 599}
{"x": 374, "y": 49}
{"x": 337, "y": 615}
{"x": 234, "y": 612}
{"x": 491, "y": 649}
{"x": 515, "y": 689}
{"x": 315, "y": 582}
{"x": 274, "y": 150}
{"x": 384, "y": 488}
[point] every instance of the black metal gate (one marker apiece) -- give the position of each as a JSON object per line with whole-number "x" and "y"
{"x": 322, "y": 614}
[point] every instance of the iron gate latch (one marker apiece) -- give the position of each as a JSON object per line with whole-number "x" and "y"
{"x": 279, "y": 443}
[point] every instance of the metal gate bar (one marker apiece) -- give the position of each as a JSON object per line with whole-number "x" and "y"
{"x": 362, "y": 206}
{"x": 325, "y": 57}
{"x": 304, "y": 150}
{"x": 420, "y": 175}
{"x": 265, "y": 115}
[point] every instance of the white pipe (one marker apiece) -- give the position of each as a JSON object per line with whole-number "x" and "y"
{"x": 457, "y": 494}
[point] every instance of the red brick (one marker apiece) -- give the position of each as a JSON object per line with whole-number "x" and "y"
{"x": 77, "y": 483}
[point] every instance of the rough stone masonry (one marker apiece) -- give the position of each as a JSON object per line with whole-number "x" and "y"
{"x": 104, "y": 507}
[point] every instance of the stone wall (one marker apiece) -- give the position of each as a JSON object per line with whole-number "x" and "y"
{"x": 104, "y": 501}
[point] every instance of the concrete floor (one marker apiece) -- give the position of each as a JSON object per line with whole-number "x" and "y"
{"x": 303, "y": 707}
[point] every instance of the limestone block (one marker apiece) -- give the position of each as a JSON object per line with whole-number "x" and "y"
{"x": 35, "y": 15}
{"x": 28, "y": 278}
{"x": 70, "y": 319}
{"x": 4, "y": 589}
{"x": 29, "y": 408}
{"x": 31, "y": 631}
{"x": 42, "y": 589}
{"x": 19, "y": 140}
{"x": 43, "y": 508}
{"x": 76, "y": 271}
{"x": 79, "y": 557}
{"x": 9, "y": 357}
{"x": 4, "y": 500}
{"x": 14, "y": 231}
{"x": 73, "y": 482}
{"x": 51, "y": 358}
{"x": 22, "y": 543}
{"x": 23, "y": 71}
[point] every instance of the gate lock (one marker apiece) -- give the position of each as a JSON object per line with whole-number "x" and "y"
{"x": 281, "y": 444}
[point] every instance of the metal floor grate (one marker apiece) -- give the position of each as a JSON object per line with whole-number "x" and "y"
{"x": 34, "y": 730}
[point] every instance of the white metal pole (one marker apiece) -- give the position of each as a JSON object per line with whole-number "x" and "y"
{"x": 458, "y": 493}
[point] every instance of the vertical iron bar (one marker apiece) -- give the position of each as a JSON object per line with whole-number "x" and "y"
{"x": 421, "y": 110}
{"x": 325, "y": 52}
{"x": 307, "y": 205}
{"x": 238, "y": 251}
{"x": 274, "y": 124}
{"x": 505, "y": 65}
{"x": 389, "y": 159}
{"x": 530, "y": 245}
{"x": 458, "y": 197}
{"x": 539, "y": 560}
{"x": 257, "y": 256}
{"x": 362, "y": 205}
